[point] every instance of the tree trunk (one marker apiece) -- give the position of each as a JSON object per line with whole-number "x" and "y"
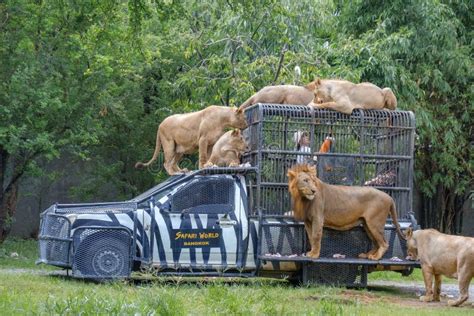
{"x": 8, "y": 195}
{"x": 8, "y": 201}
{"x": 443, "y": 210}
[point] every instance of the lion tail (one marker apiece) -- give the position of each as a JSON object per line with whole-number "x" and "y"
{"x": 393, "y": 215}
{"x": 247, "y": 103}
{"x": 390, "y": 100}
{"x": 155, "y": 154}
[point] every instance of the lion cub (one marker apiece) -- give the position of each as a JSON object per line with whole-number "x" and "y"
{"x": 227, "y": 150}
{"x": 345, "y": 96}
{"x": 441, "y": 254}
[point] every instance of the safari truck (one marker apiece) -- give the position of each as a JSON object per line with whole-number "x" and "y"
{"x": 237, "y": 221}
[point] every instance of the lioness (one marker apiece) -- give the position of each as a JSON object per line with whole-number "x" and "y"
{"x": 185, "y": 133}
{"x": 441, "y": 254}
{"x": 345, "y": 96}
{"x": 282, "y": 94}
{"x": 227, "y": 150}
{"x": 341, "y": 208}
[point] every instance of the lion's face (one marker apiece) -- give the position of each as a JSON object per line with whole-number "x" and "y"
{"x": 237, "y": 142}
{"x": 304, "y": 182}
{"x": 321, "y": 94}
{"x": 306, "y": 186}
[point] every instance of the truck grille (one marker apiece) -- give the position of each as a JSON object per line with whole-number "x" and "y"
{"x": 54, "y": 241}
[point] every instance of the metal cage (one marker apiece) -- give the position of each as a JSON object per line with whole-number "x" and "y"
{"x": 367, "y": 148}
{"x": 370, "y": 147}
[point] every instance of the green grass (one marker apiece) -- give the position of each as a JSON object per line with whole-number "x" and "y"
{"x": 395, "y": 276}
{"x": 34, "y": 290}
{"x": 19, "y": 253}
{"x": 27, "y": 293}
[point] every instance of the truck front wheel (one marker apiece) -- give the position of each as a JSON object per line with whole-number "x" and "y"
{"x": 103, "y": 257}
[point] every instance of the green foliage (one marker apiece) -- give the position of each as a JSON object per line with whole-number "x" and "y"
{"x": 95, "y": 78}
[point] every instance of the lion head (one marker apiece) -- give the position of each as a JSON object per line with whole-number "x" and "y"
{"x": 322, "y": 93}
{"x": 239, "y": 119}
{"x": 302, "y": 181}
{"x": 302, "y": 184}
{"x": 237, "y": 142}
{"x": 412, "y": 249}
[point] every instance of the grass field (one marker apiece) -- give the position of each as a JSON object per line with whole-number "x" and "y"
{"x": 29, "y": 289}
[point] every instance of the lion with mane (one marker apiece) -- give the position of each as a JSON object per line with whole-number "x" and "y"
{"x": 339, "y": 207}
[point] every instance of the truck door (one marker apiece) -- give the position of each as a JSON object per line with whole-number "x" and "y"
{"x": 203, "y": 224}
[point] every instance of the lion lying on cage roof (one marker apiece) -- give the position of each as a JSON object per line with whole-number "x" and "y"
{"x": 282, "y": 94}
{"x": 345, "y": 96}
{"x": 339, "y": 207}
{"x": 181, "y": 134}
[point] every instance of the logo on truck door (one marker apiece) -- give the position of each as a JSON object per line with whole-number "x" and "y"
{"x": 195, "y": 238}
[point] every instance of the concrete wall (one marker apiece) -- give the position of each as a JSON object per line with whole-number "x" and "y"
{"x": 37, "y": 194}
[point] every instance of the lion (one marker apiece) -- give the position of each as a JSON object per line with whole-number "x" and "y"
{"x": 181, "y": 134}
{"x": 227, "y": 150}
{"x": 345, "y": 96}
{"x": 341, "y": 208}
{"x": 441, "y": 254}
{"x": 282, "y": 94}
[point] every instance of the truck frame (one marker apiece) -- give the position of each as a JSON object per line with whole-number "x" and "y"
{"x": 238, "y": 221}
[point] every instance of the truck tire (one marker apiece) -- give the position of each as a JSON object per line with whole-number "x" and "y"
{"x": 103, "y": 257}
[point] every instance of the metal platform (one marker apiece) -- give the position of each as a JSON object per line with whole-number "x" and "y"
{"x": 352, "y": 261}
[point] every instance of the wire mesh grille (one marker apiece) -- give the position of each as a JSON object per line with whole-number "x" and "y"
{"x": 204, "y": 191}
{"x": 53, "y": 243}
{"x": 102, "y": 253}
{"x": 54, "y": 251}
{"x": 335, "y": 243}
{"x": 349, "y": 243}
{"x": 55, "y": 226}
{"x": 335, "y": 274}
{"x": 397, "y": 246}
{"x": 283, "y": 240}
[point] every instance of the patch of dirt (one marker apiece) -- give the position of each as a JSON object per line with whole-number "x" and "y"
{"x": 408, "y": 294}
{"x": 363, "y": 297}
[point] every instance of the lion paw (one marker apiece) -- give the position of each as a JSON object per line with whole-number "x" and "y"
{"x": 426, "y": 298}
{"x": 373, "y": 257}
{"x": 233, "y": 164}
{"x": 456, "y": 302}
{"x": 312, "y": 254}
{"x": 363, "y": 256}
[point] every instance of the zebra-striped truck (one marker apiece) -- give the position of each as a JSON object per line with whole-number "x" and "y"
{"x": 237, "y": 221}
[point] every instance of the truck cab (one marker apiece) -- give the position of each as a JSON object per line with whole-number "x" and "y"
{"x": 238, "y": 221}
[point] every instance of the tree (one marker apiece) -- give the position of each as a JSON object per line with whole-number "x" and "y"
{"x": 95, "y": 78}
{"x": 423, "y": 50}
{"x": 63, "y": 66}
